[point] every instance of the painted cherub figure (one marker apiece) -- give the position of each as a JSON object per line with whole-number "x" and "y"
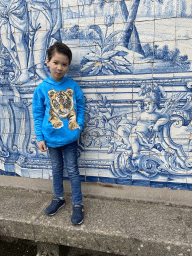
{"x": 147, "y": 123}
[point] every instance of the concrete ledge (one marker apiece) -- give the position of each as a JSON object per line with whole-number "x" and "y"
{"x": 117, "y": 220}
{"x": 100, "y": 190}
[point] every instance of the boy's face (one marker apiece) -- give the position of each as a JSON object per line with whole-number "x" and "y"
{"x": 59, "y": 65}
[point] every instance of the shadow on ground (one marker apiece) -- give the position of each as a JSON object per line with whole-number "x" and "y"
{"x": 17, "y": 247}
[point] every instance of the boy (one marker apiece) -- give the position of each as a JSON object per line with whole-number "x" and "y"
{"x": 58, "y": 111}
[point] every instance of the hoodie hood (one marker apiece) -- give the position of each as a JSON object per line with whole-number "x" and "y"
{"x": 51, "y": 81}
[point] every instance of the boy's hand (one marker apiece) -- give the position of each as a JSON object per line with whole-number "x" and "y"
{"x": 42, "y": 146}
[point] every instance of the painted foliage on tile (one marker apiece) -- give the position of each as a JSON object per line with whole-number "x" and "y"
{"x": 133, "y": 62}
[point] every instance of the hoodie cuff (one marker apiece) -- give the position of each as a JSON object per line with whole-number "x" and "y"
{"x": 40, "y": 138}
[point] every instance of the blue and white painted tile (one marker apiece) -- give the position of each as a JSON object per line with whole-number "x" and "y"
{"x": 133, "y": 62}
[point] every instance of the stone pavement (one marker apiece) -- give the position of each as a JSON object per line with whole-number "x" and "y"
{"x": 118, "y": 219}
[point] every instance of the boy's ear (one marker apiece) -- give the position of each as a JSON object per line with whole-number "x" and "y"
{"x": 47, "y": 61}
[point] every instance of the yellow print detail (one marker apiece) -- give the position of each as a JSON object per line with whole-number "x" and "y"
{"x": 62, "y": 107}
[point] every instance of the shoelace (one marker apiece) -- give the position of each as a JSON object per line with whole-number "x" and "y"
{"x": 78, "y": 208}
{"x": 55, "y": 201}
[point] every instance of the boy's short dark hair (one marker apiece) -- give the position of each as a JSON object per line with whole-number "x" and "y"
{"x": 60, "y": 48}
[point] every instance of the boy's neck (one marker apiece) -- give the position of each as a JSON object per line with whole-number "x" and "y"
{"x": 56, "y": 80}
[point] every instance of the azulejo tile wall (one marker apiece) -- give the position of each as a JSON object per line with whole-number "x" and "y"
{"x": 133, "y": 62}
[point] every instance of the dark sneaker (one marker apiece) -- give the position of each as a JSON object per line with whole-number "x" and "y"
{"x": 55, "y": 205}
{"x": 77, "y": 215}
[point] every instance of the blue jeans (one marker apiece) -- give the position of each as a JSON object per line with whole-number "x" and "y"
{"x": 66, "y": 154}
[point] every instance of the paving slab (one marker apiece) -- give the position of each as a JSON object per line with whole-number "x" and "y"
{"x": 113, "y": 226}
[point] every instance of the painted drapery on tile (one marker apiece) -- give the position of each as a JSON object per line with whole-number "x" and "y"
{"x": 133, "y": 61}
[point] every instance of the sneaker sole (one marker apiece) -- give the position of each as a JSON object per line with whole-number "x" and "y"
{"x": 51, "y": 214}
{"x": 78, "y": 223}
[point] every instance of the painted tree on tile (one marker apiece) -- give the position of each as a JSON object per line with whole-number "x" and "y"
{"x": 130, "y": 29}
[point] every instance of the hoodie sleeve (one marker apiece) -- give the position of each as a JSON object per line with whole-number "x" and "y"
{"x": 80, "y": 106}
{"x": 38, "y": 109}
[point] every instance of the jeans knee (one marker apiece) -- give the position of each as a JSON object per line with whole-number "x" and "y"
{"x": 57, "y": 167}
{"x": 73, "y": 173}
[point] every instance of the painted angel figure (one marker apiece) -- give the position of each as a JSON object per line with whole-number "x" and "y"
{"x": 152, "y": 125}
{"x": 147, "y": 123}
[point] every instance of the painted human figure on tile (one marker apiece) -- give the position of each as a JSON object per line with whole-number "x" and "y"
{"x": 45, "y": 22}
{"x": 150, "y": 137}
{"x": 13, "y": 30}
{"x": 147, "y": 125}
{"x": 27, "y": 29}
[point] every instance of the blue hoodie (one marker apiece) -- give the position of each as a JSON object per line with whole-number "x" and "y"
{"x": 58, "y": 111}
